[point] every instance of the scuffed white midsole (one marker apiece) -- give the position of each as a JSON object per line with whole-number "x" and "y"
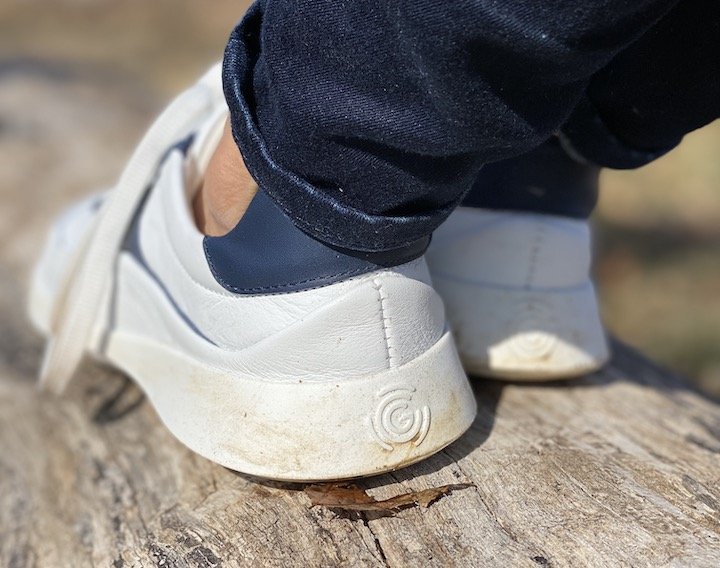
{"x": 304, "y": 431}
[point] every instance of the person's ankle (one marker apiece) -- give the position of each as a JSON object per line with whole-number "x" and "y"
{"x": 227, "y": 190}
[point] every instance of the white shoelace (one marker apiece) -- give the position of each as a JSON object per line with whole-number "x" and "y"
{"x": 82, "y": 292}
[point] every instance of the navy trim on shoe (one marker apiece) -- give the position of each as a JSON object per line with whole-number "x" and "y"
{"x": 266, "y": 253}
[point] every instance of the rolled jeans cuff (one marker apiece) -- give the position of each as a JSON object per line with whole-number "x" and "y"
{"x": 587, "y": 139}
{"x": 310, "y": 208}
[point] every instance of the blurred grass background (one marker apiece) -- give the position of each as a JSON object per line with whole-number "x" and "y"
{"x": 658, "y": 228}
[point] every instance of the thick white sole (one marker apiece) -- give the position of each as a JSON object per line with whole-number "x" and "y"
{"x": 310, "y": 429}
{"x": 304, "y": 431}
{"x": 525, "y": 335}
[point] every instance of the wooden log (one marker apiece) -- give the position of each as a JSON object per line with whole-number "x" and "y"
{"x": 616, "y": 469}
{"x": 620, "y": 468}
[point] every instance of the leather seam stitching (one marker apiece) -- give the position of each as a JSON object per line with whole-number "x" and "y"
{"x": 385, "y": 320}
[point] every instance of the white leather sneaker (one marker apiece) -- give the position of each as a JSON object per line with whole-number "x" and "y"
{"x": 518, "y": 294}
{"x": 264, "y": 350}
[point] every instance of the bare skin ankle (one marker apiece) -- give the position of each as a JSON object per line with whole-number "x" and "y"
{"x": 227, "y": 189}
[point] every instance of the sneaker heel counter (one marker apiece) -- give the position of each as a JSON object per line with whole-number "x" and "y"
{"x": 515, "y": 250}
{"x": 386, "y": 320}
{"x": 557, "y": 251}
{"x": 412, "y": 316}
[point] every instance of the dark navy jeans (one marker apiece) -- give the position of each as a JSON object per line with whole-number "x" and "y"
{"x": 368, "y": 122}
{"x": 635, "y": 109}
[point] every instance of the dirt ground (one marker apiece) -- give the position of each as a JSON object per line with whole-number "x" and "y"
{"x": 79, "y": 79}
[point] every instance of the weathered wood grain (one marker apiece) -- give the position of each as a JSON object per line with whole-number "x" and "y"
{"x": 621, "y": 468}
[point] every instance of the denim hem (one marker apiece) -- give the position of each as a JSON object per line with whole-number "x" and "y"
{"x": 587, "y": 139}
{"x": 310, "y": 209}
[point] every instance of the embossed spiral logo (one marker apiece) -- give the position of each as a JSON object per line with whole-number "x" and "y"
{"x": 398, "y": 419}
{"x": 534, "y": 331}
